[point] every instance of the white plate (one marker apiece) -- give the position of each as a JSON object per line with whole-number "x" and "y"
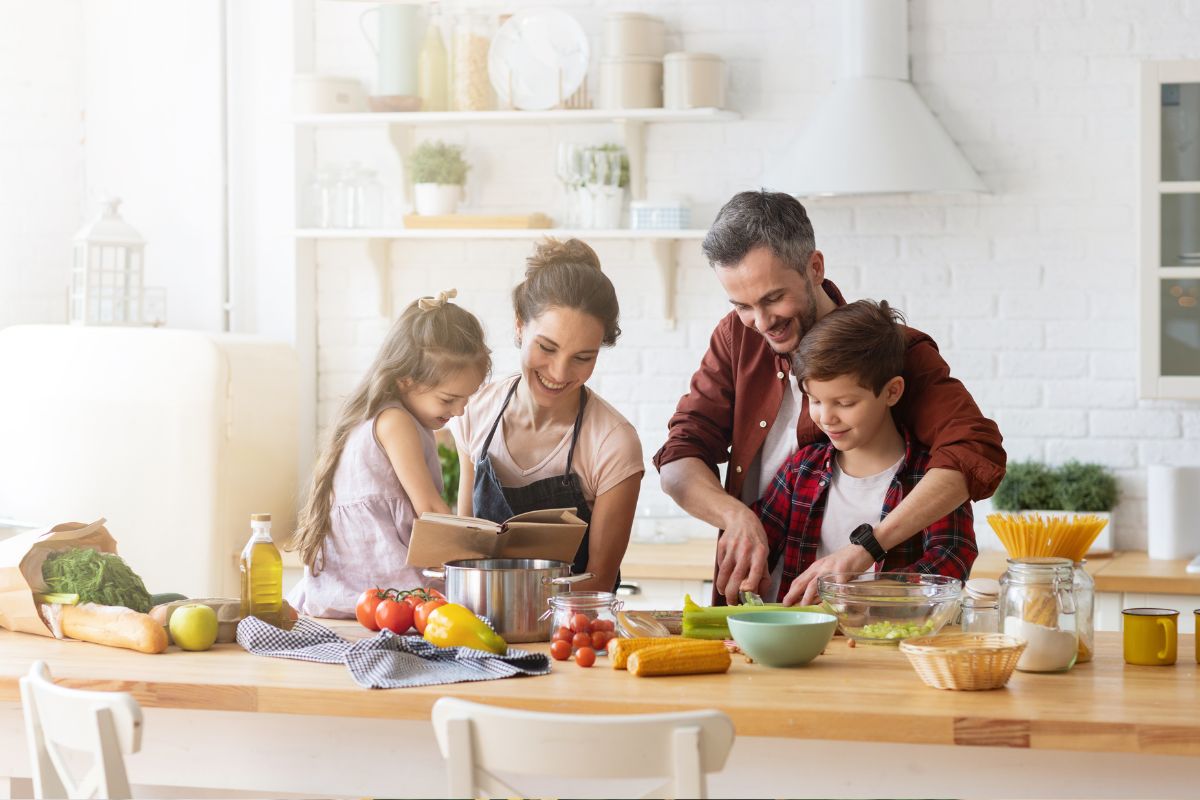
{"x": 542, "y": 54}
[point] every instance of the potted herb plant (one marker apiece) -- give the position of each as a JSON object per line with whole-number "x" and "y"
{"x": 1072, "y": 488}
{"x": 438, "y": 173}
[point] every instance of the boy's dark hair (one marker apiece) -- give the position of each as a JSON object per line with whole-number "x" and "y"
{"x": 864, "y": 339}
{"x": 760, "y": 219}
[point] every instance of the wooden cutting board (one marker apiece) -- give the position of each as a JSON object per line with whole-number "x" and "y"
{"x": 478, "y": 221}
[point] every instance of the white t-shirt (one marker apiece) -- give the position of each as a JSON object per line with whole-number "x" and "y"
{"x": 850, "y": 502}
{"x": 608, "y": 450}
{"x": 777, "y": 449}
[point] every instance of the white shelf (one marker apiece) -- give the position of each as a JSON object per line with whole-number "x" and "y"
{"x": 496, "y": 233}
{"x": 509, "y": 117}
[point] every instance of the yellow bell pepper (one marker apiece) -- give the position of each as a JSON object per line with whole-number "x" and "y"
{"x": 453, "y": 625}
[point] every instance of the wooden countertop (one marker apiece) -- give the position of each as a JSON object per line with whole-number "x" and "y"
{"x": 1121, "y": 572}
{"x": 864, "y": 694}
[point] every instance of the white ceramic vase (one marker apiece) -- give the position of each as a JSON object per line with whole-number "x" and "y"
{"x": 433, "y": 199}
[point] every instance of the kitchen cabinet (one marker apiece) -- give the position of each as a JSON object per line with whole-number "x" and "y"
{"x": 1169, "y": 262}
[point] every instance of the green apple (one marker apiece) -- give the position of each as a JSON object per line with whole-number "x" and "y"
{"x": 194, "y": 626}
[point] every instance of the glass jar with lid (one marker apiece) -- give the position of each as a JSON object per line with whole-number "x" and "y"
{"x": 980, "y": 606}
{"x": 578, "y": 614}
{"x": 1037, "y": 604}
{"x": 470, "y": 81}
{"x": 1085, "y": 608}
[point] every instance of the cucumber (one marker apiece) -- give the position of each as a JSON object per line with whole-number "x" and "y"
{"x": 165, "y": 597}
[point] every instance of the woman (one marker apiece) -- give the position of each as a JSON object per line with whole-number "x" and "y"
{"x": 541, "y": 439}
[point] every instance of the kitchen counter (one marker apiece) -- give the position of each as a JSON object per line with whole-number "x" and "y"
{"x": 1121, "y": 572}
{"x": 866, "y": 694}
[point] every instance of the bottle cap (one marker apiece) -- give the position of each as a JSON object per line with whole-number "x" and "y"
{"x": 260, "y": 517}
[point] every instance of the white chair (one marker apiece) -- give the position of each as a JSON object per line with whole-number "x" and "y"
{"x": 476, "y": 739}
{"x": 103, "y": 725}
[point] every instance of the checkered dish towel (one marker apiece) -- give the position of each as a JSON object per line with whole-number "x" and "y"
{"x": 386, "y": 661}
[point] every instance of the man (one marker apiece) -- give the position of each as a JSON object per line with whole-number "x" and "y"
{"x": 743, "y": 406}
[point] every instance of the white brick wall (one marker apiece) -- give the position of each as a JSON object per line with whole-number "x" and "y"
{"x": 1030, "y": 291}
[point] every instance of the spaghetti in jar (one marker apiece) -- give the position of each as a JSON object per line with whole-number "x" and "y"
{"x": 1037, "y": 604}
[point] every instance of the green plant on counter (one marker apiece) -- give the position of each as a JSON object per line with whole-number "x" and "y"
{"x": 1071, "y": 487}
{"x": 438, "y": 162}
{"x": 450, "y": 472}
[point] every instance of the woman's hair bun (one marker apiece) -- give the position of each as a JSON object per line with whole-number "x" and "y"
{"x": 551, "y": 252}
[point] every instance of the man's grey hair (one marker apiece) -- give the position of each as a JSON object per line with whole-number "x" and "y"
{"x": 761, "y": 219}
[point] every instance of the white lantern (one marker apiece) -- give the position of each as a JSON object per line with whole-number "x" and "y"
{"x": 106, "y": 279}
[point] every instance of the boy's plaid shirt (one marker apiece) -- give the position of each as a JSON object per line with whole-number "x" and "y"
{"x": 793, "y": 507}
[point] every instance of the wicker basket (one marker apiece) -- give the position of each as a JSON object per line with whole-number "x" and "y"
{"x": 966, "y": 661}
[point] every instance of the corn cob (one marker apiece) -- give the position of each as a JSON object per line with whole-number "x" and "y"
{"x": 619, "y": 650}
{"x": 678, "y": 659}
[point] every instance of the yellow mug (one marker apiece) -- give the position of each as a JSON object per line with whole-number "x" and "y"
{"x": 1151, "y": 636}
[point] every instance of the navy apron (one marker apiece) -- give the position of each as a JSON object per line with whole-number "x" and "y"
{"x": 496, "y": 502}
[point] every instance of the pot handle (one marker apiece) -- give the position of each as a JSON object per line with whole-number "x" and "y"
{"x": 440, "y": 574}
{"x": 569, "y": 579}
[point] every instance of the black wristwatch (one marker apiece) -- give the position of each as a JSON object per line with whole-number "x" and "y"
{"x": 864, "y": 535}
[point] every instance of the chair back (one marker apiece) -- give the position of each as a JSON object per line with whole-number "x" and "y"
{"x": 61, "y": 723}
{"x": 477, "y": 739}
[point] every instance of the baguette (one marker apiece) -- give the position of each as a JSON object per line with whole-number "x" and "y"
{"x": 115, "y": 626}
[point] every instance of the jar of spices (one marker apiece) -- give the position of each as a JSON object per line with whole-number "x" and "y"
{"x": 1037, "y": 604}
{"x": 980, "y": 606}
{"x": 1084, "y": 586}
{"x": 577, "y": 615}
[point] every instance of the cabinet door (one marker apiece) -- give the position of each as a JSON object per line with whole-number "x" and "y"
{"x": 646, "y": 594}
{"x": 1170, "y": 230}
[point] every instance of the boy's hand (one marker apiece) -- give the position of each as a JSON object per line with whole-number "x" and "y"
{"x": 851, "y": 558}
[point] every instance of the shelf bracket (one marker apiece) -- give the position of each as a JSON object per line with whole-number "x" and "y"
{"x": 380, "y": 253}
{"x": 666, "y": 253}
{"x": 401, "y": 137}
{"x": 633, "y": 137}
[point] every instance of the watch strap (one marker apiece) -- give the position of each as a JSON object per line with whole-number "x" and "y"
{"x": 864, "y": 535}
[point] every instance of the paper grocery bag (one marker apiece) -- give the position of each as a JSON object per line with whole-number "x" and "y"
{"x": 21, "y": 560}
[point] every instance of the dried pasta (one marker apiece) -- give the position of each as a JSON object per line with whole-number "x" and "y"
{"x": 1031, "y": 535}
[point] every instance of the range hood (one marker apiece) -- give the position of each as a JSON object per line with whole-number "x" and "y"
{"x": 873, "y": 134}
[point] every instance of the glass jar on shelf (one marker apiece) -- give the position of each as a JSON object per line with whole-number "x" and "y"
{"x": 367, "y": 200}
{"x": 433, "y": 66}
{"x": 321, "y": 203}
{"x": 1037, "y": 604}
{"x": 980, "y": 606}
{"x": 1084, "y": 586}
{"x": 470, "y": 80}
{"x": 579, "y": 614}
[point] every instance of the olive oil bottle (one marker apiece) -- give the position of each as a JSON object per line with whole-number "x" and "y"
{"x": 262, "y": 573}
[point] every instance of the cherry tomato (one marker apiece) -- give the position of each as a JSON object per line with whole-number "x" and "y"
{"x": 421, "y": 616}
{"x": 581, "y": 624}
{"x": 563, "y": 633}
{"x": 364, "y": 610}
{"x": 608, "y": 624}
{"x": 585, "y": 656}
{"x": 581, "y": 640}
{"x": 599, "y": 639}
{"x": 560, "y": 650}
{"x": 394, "y": 615}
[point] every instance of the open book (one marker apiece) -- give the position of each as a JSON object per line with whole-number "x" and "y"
{"x": 553, "y": 533}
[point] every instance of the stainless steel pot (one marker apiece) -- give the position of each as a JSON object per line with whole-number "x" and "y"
{"x": 511, "y": 592}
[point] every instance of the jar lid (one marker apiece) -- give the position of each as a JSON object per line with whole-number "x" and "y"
{"x": 582, "y": 600}
{"x": 630, "y": 60}
{"x": 633, "y": 15}
{"x": 983, "y": 588}
{"x": 682, "y": 56}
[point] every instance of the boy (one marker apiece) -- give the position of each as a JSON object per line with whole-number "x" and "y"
{"x": 828, "y": 496}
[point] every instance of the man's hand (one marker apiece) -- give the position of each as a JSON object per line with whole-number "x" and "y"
{"x": 851, "y": 558}
{"x": 742, "y": 557}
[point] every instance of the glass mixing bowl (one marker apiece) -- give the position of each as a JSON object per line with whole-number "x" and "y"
{"x": 885, "y": 607}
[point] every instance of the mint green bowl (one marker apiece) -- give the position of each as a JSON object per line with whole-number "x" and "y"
{"x": 782, "y": 638}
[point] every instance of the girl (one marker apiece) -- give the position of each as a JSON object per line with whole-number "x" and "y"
{"x": 540, "y": 439}
{"x": 380, "y": 469}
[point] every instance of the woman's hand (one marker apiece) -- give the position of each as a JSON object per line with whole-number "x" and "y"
{"x": 608, "y": 535}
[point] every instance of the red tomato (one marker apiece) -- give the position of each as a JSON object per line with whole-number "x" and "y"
{"x": 421, "y": 616}
{"x": 394, "y": 615}
{"x": 599, "y": 639}
{"x": 364, "y": 610}
{"x": 581, "y": 639}
{"x": 563, "y": 633}
{"x": 560, "y": 650}
{"x": 585, "y": 656}
{"x": 608, "y": 624}
{"x": 581, "y": 624}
